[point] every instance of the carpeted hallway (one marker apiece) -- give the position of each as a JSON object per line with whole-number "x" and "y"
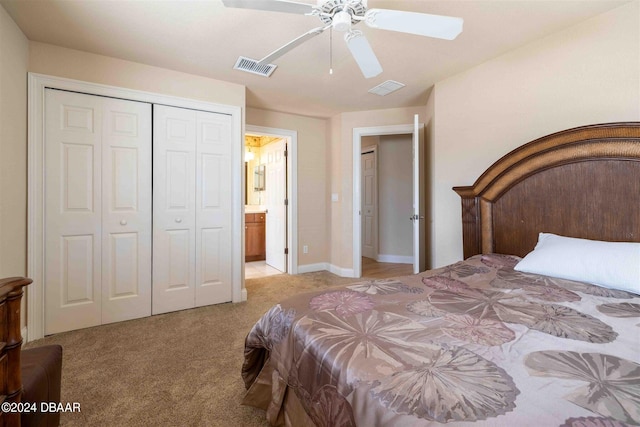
{"x": 176, "y": 369}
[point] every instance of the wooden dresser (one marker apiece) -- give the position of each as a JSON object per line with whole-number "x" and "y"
{"x": 254, "y": 236}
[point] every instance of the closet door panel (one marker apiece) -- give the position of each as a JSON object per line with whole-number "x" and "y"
{"x": 213, "y": 209}
{"x": 178, "y": 171}
{"x": 126, "y": 223}
{"x": 179, "y": 244}
{"x": 174, "y": 198}
{"x": 78, "y": 184}
{"x": 73, "y": 210}
{"x": 77, "y": 268}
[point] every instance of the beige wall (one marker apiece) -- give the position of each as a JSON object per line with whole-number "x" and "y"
{"x": 14, "y": 58}
{"x": 312, "y": 178}
{"x": 368, "y": 141}
{"x": 74, "y": 64}
{"x": 586, "y": 74}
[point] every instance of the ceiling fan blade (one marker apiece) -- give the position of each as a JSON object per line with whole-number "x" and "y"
{"x": 271, "y": 5}
{"x": 292, "y": 44}
{"x": 363, "y": 54}
{"x": 422, "y": 24}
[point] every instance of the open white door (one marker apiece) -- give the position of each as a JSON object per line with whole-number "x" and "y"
{"x": 418, "y": 201}
{"x": 276, "y": 191}
{"x": 369, "y": 189}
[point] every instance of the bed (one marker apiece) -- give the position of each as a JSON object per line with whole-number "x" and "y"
{"x": 496, "y": 339}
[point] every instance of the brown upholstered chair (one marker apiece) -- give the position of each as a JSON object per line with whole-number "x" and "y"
{"x": 28, "y": 376}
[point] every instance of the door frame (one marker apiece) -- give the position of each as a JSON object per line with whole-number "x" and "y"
{"x": 358, "y": 133}
{"x": 35, "y": 189}
{"x": 291, "y": 137}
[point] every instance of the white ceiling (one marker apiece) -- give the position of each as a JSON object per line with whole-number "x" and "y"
{"x": 205, "y": 38}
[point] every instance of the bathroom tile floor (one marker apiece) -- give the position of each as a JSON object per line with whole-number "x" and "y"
{"x": 258, "y": 269}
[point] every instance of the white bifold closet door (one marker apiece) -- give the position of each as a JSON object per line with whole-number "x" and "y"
{"x": 191, "y": 208}
{"x": 97, "y": 210}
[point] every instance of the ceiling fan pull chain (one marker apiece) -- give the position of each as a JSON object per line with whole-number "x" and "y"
{"x": 331, "y": 51}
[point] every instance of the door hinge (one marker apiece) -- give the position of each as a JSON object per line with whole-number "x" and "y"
{"x": 286, "y": 251}
{"x": 286, "y": 202}
{"x": 286, "y": 152}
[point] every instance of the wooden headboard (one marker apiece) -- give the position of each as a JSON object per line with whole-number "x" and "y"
{"x": 582, "y": 182}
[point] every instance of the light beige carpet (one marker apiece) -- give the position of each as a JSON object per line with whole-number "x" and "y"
{"x": 176, "y": 369}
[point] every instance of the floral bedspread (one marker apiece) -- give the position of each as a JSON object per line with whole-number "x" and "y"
{"x": 472, "y": 342}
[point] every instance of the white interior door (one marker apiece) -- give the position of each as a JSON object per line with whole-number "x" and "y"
{"x": 174, "y": 208}
{"x": 191, "y": 209}
{"x": 276, "y": 192}
{"x": 419, "y": 243}
{"x": 97, "y": 210}
{"x": 126, "y": 210}
{"x": 73, "y": 210}
{"x": 369, "y": 204}
{"x": 213, "y": 209}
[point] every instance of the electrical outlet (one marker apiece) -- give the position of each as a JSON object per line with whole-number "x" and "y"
{"x": 305, "y": 249}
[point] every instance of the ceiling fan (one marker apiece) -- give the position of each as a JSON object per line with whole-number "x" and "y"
{"x": 341, "y": 15}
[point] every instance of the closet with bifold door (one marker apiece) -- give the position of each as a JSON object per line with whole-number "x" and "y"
{"x": 97, "y": 210}
{"x": 137, "y": 209}
{"x": 191, "y": 209}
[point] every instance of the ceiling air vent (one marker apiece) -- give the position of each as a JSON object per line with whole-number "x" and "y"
{"x": 386, "y": 88}
{"x": 251, "y": 66}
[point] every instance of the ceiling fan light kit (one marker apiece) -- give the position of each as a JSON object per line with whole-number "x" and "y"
{"x": 341, "y": 15}
{"x": 341, "y": 21}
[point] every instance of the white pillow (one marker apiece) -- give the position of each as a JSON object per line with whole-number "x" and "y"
{"x": 614, "y": 265}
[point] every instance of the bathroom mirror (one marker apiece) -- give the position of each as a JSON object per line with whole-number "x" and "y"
{"x": 258, "y": 178}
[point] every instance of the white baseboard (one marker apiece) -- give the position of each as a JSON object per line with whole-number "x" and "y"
{"x": 342, "y": 272}
{"x": 310, "y": 268}
{"x": 25, "y": 337}
{"x": 244, "y": 294}
{"x": 325, "y": 266}
{"x": 398, "y": 259}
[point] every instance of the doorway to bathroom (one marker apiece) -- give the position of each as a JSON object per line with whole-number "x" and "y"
{"x": 269, "y": 201}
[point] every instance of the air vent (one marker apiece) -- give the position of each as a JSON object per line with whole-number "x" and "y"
{"x": 251, "y": 66}
{"x": 386, "y": 88}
